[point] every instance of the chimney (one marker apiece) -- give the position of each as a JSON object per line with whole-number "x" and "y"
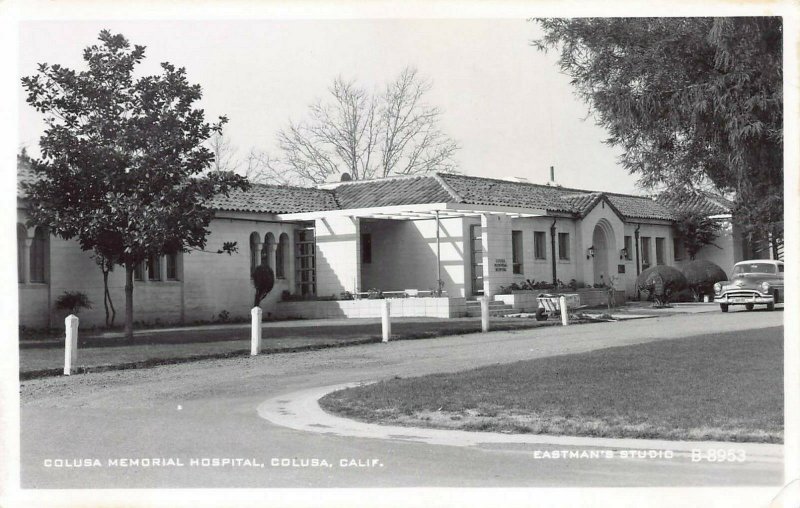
{"x": 346, "y": 177}
{"x": 552, "y": 176}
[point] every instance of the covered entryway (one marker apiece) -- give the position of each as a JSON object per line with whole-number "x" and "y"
{"x": 603, "y": 248}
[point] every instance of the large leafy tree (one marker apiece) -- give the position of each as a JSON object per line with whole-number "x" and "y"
{"x": 696, "y": 230}
{"x": 121, "y": 159}
{"x": 692, "y": 102}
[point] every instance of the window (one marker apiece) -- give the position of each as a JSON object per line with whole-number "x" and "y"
{"x": 516, "y": 251}
{"x": 255, "y": 256}
{"x": 366, "y": 248}
{"x": 154, "y": 267}
{"x": 628, "y": 248}
{"x": 267, "y": 249}
{"x": 281, "y": 255}
{"x": 563, "y": 246}
{"x": 22, "y": 235}
{"x": 305, "y": 262}
{"x": 539, "y": 245}
{"x": 780, "y": 268}
{"x": 677, "y": 250}
{"x": 39, "y": 255}
{"x": 645, "y": 252}
{"x": 172, "y": 266}
{"x": 138, "y": 272}
{"x": 659, "y": 251}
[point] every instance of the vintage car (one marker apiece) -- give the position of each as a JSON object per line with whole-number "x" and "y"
{"x": 753, "y": 282}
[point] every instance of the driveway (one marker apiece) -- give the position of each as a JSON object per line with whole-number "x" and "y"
{"x": 195, "y": 413}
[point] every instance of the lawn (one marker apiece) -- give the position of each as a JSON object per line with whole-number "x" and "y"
{"x": 158, "y": 348}
{"x": 715, "y": 387}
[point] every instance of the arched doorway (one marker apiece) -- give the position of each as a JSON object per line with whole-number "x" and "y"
{"x": 603, "y": 243}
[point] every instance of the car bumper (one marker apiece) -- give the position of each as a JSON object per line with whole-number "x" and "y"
{"x": 745, "y": 299}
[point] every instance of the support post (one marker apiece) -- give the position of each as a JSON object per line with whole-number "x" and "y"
{"x": 438, "y": 258}
{"x": 70, "y": 343}
{"x": 485, "y": 314}
{"x": 386, "y": 322}
{"x": 255, "y": 332}
{"x": 562, "y": 302}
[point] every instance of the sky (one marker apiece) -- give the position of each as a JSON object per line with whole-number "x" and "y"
{"x": 505, "y": 103}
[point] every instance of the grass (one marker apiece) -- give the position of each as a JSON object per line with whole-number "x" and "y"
{"x": 148, "y": 350}
{"x": 714, "y": 387}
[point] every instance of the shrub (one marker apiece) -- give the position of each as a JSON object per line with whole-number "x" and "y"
{"x": 263, "y": 281}
{"x": 701, "y": 276}
{"x": 661, "y": 282}
{"x": 73, "y": 302}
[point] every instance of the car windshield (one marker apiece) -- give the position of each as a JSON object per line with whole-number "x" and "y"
{"x": 753, "y": 268}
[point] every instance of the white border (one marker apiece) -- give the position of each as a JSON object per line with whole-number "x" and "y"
{"x": 13, "y": 11}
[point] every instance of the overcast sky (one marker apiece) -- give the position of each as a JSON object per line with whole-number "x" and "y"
{"x": 503, "y": 101}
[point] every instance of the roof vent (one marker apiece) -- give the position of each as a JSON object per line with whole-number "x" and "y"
{"x": 346, "y": 177}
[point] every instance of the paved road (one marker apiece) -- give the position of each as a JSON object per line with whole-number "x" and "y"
{"x": 207, "y": 410}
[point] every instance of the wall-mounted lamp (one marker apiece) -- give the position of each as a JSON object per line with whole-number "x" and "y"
{"x": 623, "y": 254}
{"x": 590, "y": 252}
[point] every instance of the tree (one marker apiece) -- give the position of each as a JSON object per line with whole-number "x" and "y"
{"x": 692, "y": 102}
{"x": 366, "y": 135}
{"x": 701, "y": 275}
{"x": 122, "y": 158}
{"x": 661, "y": 282}
{"x": 696, "y": 230}
{"x": 263, "y": 282}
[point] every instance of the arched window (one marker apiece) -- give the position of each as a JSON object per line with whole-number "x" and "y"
{"x": 281, "y": 256}
{"x": 266, "y": 252}
{"x": 39, "y": 256}
{"x": 255, "y": 251}
{"x": 22, "y": 235}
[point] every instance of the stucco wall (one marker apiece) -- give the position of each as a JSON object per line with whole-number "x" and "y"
{"x": 337, "y": 255}
{"x": 404, "y": 255}
{"x": 208, "y": 282}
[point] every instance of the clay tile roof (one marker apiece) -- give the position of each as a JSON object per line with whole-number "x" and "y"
{"x": 703, "y": 202}
{"x": 487, "y": 191}
{"x": 391, "y": 192}
{"x": 582, "y": 201}
{"x": 640, "y": 207}
{"x": 276, "y": 199}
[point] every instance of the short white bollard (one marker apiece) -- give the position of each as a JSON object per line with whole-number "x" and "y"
{"x": 386, "y": 322}
{"x": 562, "y": 302}
{"x": 71, "y": 343}
{"x": 485, "y": 314}
{"x": 255, "y": 332}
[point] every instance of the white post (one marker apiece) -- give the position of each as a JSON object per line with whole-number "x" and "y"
{"x": 562, "y": 302}
{"x": 386, "y": 322}
{"x": 255, "y": 332}
{"x": 71, "y": 343}
{"x": 485, "y": 314}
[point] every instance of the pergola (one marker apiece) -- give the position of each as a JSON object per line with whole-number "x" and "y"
{"x": 427, "y": 211}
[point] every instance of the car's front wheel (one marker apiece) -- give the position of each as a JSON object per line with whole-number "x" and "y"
{"x": 723, "y": 307}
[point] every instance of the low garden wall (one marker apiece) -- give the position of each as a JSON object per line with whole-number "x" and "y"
{"x": 525, "y": 301}
{"x": 442, "y": 307}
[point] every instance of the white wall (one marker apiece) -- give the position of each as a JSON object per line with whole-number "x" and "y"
{"x": 338, "y": 253}
{"x": 208, "y": 282}
{"x": 404, "y": 255}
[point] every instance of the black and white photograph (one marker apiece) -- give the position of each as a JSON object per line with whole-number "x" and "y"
{"x": 331, "y": 254}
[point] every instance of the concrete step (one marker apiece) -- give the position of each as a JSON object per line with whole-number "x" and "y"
{"x": 495, "y": 309}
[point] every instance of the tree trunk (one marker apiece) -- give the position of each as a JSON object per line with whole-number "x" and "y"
{"x": 108, "y": 304}
{"x": 105, "y": 296}
{"x": 774, "y": 240}
{"x": 129, "y": 302}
